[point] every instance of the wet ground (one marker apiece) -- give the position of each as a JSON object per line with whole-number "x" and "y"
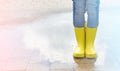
{"x": 47, "y": 44}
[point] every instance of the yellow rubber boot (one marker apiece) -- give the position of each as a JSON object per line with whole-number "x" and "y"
{"x": 90, "y": 37}
{"x": 80, "y": 37}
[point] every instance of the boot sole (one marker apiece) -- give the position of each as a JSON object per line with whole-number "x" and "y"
{"x": 91, "y": 56}
{"x": 79, "y": 56}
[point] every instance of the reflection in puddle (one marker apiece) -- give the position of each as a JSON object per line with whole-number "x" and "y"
{"x": 85, "y": 64}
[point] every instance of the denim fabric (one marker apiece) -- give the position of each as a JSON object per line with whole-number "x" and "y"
{"x": 80, "y": 7}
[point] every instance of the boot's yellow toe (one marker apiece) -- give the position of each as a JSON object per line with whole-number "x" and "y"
{"x": 91, "y": 52}
{"x": 78, "y": 52}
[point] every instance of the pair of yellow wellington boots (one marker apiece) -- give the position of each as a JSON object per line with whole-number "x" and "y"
{"x": 85, "y": 42}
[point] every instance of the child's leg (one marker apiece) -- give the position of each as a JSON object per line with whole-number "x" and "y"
{"x": 78, "y": 20}
{"x": 78, "y": 12}
{"x": 92, "y": 7}
{"x": 93, "y": 17}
